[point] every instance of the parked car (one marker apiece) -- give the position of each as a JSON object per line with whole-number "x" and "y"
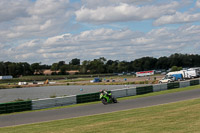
{"x": 96, "y": 80}
{"x": 167, "y": 79}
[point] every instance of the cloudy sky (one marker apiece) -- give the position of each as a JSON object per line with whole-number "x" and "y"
{"x": 49, "y": 31}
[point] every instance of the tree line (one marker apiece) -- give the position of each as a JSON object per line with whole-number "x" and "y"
{"x": 101, "y": 65}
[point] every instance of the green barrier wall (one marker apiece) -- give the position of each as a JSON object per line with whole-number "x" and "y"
{"x": 173, "y": 85}
{"x": 15, "y": 107}
{"x": 194, "y": 82}
{"x": 87, "y": 97}
{"x": 144, "y": 90}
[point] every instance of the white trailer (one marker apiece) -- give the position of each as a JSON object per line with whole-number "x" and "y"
{"x": 193, "y": 72}
{"x": 183, "y": 72}
{"x": 187, "y": 74}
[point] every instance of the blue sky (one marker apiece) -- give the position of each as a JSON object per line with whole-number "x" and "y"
{"x": 49, "y": 31}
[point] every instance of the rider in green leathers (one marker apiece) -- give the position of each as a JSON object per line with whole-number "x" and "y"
{"x": 107, "y": 97}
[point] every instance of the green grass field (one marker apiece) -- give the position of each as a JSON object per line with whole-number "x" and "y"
{"x": 180, "y": 117}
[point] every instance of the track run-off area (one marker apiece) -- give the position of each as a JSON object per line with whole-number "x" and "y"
{"x": 92, "y": 109}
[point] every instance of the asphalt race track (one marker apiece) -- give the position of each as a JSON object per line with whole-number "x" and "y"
{"x": 64, "y": 113}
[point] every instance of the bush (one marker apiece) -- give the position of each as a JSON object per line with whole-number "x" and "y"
{"x": 18, "y": 86}
{"x": 54, "y": 73}
{"x": 19, "y": 99}
{"x": 141, "y": 82}
{"x": 53, "y": 96}
{"x": 175, "y": 68}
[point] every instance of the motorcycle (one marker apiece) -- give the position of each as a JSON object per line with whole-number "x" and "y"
{"x": 107, "y": 98}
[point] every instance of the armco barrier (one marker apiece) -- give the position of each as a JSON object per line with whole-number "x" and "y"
{"x": 163, "y": 87}
{"x": 156, "y": 87}
{"x": 131, "y": 91}
{"x": 67, "y": 100}
{"x": 194, "y": 82}
{"x": 184, "y": 84}
{"x": 119, "y": 93}
{"x": 15, "y": 107}
{"x": 43, "y": 103}
{"x": 53, "y": 102}
{"x": 144, "y": 90}
{"x": 87, "y": 97}
{"x": 159, "y": 87}
{"x": 173, "y": 85}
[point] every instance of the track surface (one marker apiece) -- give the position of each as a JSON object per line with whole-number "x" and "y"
{"x": 56, "y": 114}
{"x": 9, "y": 95}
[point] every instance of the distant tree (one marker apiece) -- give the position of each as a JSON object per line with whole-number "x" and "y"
{"x": 60, "y": 63}
{"x": 36, "y": 68}
{"x": 84, "y": 67}
{"x": 2, "y": 68}
{"x": 114, "y": 66}
{"x": 45, "y": 66}
{"x": 74, "y": 61}
{"x": 137, "y": 65}
{"x": 175, "y": 68}
{"x": 175, "y": 61}
{"x": 97, "y": 65}
{"x": 109, "y": 68}
{"x": 54, "y": 67}
{"x": 11, "y": 69}
{"x": 123, "y": 66}
{"x": 24, "y": 68}
{"x": 63, "y": 69}
{"x": 162, "y": 63}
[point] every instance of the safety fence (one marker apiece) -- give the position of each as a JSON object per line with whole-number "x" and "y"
{"x": 53, "y": 102}
{"x": 194, "y": 82}
{"x": 173, "y": 85}
{"x": 83, "y": 98}
{"x": 144, "y": 90}
{"x": 87, "y": 97}
{"x": 184, "y": 84}
{"x": 15, "y": 107}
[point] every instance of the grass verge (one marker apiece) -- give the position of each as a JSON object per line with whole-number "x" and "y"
{"x": 181, "y": 117}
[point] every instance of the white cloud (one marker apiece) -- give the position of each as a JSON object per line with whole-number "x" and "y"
{"x": 198, "y": 3}
{"x": 142, "y": 40}
{"x": 178, "y": 17}
{"x": 108, "y": 43}
{"x": 48, "y": 7}
{"x": 27, "y": 20}
{"x": 47, "y": 31}
{"x": 46, "y": 25}
{"x": 12, "y": 9}
{"x": 57, "y": 39}
{"x": 124, "y": 12}
{"x": 92, "y": 4}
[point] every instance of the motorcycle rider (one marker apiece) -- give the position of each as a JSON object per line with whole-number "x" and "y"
{"x": 107, "y": 97}
{"x": 104, "y": 92}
